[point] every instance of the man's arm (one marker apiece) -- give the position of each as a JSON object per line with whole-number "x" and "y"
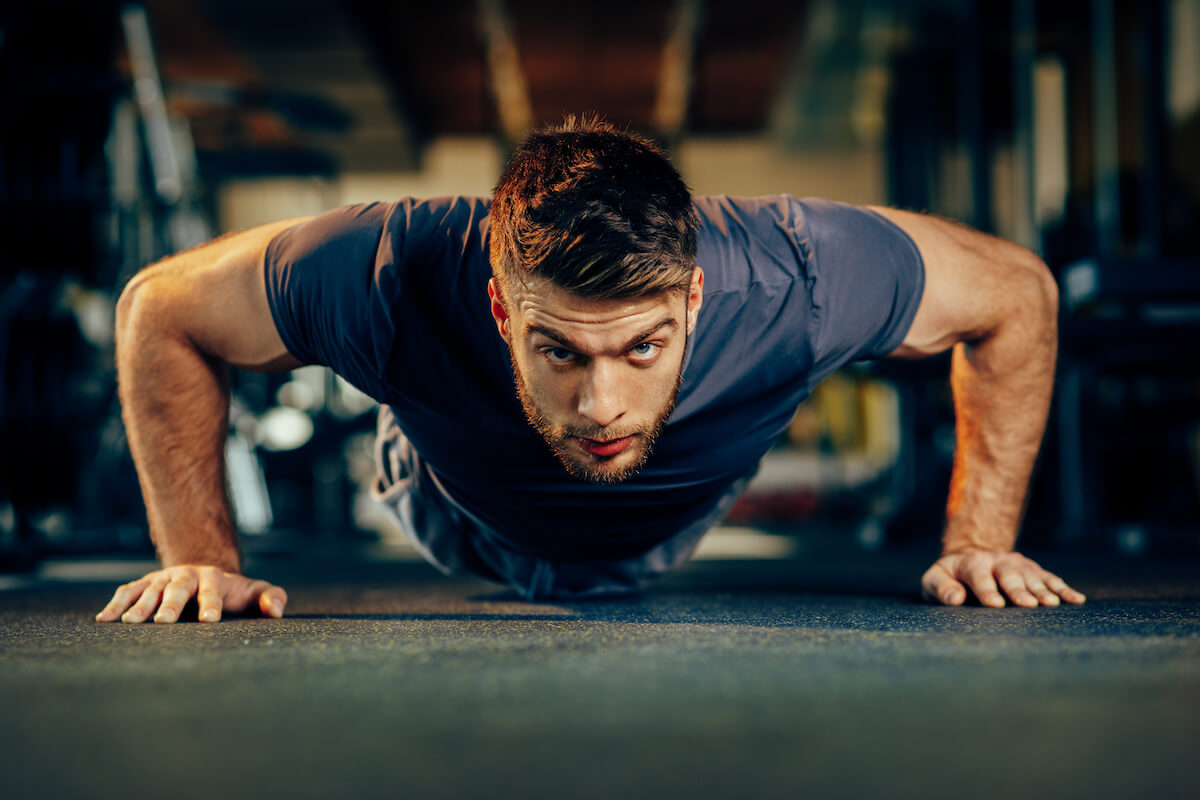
{"x": 180, "y": 323}
{"x": 996, "y": 304}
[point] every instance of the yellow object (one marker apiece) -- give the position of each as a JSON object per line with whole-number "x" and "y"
{"x": 850, "y": 413}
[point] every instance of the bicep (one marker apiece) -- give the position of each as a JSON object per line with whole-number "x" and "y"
{"x": 214, "y": 296}
{"x": 973, "y": 283}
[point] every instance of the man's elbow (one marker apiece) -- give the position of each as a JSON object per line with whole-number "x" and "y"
{"x": 124, "y": 310}
{"x": 139, "y": 307}
{"x": 1038, "y": 295}
{"x": 1034, "y": 316}
{"x": 1048, "y": 294}
{"x": 130, "y": 305}
{"x": 1049, "y": 288}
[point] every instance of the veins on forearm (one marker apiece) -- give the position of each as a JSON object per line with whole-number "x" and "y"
{"x": 174, "y": 401}
{"x": 1002, "y": 386}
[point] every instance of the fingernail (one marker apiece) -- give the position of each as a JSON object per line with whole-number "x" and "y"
{"x": 208, "y": 614}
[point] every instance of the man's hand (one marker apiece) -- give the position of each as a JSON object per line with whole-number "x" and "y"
{"x": 169, "y": 590}
{"x": 989, "y": 571}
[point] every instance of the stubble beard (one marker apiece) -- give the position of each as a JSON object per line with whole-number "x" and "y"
{"x": 558, "y": 437}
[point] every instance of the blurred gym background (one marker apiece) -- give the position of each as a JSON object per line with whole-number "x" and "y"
{"x": 130, "y": 131}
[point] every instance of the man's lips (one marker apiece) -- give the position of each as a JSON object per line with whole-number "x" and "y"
{"x": 607, "y": 448}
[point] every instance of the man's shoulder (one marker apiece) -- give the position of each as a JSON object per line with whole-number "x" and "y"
{"x": 410, "y": 231}
{"x": 771, "y": 220}
{"x": 399, "y": 242}
{"x": 748, "y": 241}
{"x": 780, "y": 202}
{"x": 404, "y": 215}
{"x": 451, "y": 205}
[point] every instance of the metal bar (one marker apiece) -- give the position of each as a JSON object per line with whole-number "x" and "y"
{"x": 168, "y": 182}
{"x": 675, "y": 78}
{"x": 1024, "y": 44}
{"x": 509, "y": 88}
{"x": 1107, "y": 192}
{"x": 970, "y": 116}
{"x": 1071, "y": 471}
{"x": 1152, "y": 60}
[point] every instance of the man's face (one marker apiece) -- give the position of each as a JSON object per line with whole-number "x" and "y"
{"x": 597, "y": 378}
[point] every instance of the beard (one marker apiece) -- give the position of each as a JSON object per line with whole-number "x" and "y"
{"x": 558, "y": 437}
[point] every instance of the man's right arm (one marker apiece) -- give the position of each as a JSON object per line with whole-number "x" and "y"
{"x": 180, "y": 323}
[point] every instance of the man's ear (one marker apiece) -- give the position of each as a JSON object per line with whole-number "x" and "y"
{"x": 695, "y": 298}
{"x": 499, "y": 312}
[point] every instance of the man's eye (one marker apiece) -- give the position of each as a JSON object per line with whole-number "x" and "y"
{"x": 644, "y": 351}
{"x": 558, "y": 355}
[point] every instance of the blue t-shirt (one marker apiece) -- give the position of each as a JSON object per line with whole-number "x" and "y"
{"x": 393, "y": 297}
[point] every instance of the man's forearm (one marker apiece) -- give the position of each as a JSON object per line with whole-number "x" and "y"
{"x": 175, "y": 404}
{"x": 1002, "y": 387}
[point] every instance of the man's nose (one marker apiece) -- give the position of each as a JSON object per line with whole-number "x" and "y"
{"x": 600, "y": 397}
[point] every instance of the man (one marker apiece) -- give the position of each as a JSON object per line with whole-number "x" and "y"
{"x": 579, "y": 377}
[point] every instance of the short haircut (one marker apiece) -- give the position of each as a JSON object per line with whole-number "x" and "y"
{"x": 598, "y": 211}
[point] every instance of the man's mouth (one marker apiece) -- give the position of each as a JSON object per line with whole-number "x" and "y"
{"x": 606, "y": 448}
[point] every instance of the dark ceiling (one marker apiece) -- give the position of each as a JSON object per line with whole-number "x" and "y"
{"x": 400, "y": 73}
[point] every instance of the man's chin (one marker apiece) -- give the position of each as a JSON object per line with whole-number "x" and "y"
{"x": 599, "y": 469}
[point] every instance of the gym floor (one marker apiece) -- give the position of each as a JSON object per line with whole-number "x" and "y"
{"x": 821, "y": 674}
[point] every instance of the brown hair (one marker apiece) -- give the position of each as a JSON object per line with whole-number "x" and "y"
{"x": 596, "y": 210}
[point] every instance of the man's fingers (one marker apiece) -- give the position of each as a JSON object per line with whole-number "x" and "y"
{"x": 1015, "y": 584}
{"x": 979, "y": 578}
{"x": 1059, "y": 586}
{"x": 169, "y": 590}
{"x": 269, "y": 598}
{"x": 239, "y": 593}
{"x": 122, "y": 599}
{"x": 1044, "y": 595}
{"x": 938, "y": 585}
{"x": 986, "y": 572}
{"x": 272, "y": 601}
{"x": 209, "y": 596}
{"x": 147, "y": 602}
{"x": 175, "y": 597}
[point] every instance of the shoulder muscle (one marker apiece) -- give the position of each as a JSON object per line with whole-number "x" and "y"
{"x": 973, "y": 282}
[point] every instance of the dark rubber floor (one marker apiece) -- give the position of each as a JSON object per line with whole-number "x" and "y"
{"x": 820, "y": 677}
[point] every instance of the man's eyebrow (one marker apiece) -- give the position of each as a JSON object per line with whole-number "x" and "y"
{"x": 565, "y": 341}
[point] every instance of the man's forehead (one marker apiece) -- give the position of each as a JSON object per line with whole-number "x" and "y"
{"x": 545, "y": 303}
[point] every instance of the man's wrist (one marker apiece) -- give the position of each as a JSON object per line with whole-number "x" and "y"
{"x": 959, "y": 549}
{"x": 959, "y": 542}
{"x": 223, "y": 563}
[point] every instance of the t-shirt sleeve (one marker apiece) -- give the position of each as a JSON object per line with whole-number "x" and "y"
{"x": 322, "y": 289}
{"x": 867, "y": 279}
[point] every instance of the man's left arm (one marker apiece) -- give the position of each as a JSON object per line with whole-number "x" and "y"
{"x": 996, "y": 304}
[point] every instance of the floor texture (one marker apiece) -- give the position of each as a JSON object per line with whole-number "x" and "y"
{"x": 821, "y": 676}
